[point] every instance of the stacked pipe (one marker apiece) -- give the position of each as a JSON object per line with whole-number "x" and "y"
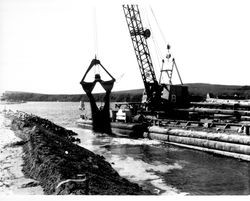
{"x": 216, "y": 111}
{"x": 239, "y": 105}
{"x": 233, "y": 145}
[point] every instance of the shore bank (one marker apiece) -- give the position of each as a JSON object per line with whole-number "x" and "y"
{"x": 53, "y": 158}
{"x": 12, "y": 179}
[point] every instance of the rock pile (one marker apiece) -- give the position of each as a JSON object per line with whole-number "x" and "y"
{"x": 61, "y": 166}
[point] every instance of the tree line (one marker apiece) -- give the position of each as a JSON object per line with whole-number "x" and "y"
{"x": 197, "y": 92}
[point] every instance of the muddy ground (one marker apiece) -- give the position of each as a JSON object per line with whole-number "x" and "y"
{"x": 53, "y": 158}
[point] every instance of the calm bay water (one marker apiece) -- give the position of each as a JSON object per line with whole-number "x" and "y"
{"x": 163, "y": 168}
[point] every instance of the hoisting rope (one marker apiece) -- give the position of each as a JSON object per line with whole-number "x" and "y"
{"x": 159, "y": 55}
{"x": 95, "y": 37}
{"x": 95, "y": 32}
{"x": 162, "y": 35}
{"x": 174, "y": 66}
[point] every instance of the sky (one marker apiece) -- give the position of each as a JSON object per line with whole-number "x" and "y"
{"x": 47, "y": 45}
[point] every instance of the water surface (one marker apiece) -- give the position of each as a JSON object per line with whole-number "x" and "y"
{"x": 163, "y": 168}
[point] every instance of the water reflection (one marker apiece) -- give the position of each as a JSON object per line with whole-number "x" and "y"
{"x": 171, "y": 169}
{"x": 137, "y": 160}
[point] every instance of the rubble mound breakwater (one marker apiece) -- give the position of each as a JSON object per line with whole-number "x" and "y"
{"x": 53, "y": 158}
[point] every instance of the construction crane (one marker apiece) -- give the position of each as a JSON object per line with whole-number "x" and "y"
{"x": 160, "y": 96}
{"x": 139, "y": 37}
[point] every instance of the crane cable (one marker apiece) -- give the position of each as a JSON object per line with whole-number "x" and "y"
{"x": 174, "y": 66}
{"x": 95, "y": 32}
{"x": 159, "y": 54}
{"x": 162, "y": 35}
{"x": 95, "y": 38}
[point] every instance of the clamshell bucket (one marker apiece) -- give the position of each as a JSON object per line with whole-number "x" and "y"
{"x": 100, "y": 116}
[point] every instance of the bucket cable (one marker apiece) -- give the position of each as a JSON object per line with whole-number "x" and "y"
{"x": 95, "y": 36}
{"x": 95, "y": 32}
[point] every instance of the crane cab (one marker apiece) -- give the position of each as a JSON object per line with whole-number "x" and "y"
{"x": 176, "y": 95}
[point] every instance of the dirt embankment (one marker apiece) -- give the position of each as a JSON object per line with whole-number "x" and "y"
{"x": 61, "y": 166}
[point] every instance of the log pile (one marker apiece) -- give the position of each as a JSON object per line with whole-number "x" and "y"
{"x": 234, "y": 145}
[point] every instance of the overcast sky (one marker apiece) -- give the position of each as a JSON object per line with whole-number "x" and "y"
{"x": 46, "y": 45}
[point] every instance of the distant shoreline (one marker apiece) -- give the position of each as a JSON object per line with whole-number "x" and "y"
{"x": 197, "y": 91}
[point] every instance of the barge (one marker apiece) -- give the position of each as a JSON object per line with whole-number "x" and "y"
{"x": 222, "y": 138}
{"x": 119, "y": 129}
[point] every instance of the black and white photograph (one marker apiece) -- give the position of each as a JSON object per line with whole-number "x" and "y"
{"x": 137, "y": 99}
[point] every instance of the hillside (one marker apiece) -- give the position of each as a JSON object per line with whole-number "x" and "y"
{"x": 120, "y": 96}
{"x": 197, "y": 92}
{"x": 220, "y": 91}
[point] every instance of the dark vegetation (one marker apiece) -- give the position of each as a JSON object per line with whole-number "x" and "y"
{"x": 197, "y": 92}
{"x": 219, "y": 91}
{"x": 120, "y": 96}
{"x": 61, "y": 166}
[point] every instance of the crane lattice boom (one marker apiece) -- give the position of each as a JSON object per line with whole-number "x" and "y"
{"x": 138, "y": 36}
